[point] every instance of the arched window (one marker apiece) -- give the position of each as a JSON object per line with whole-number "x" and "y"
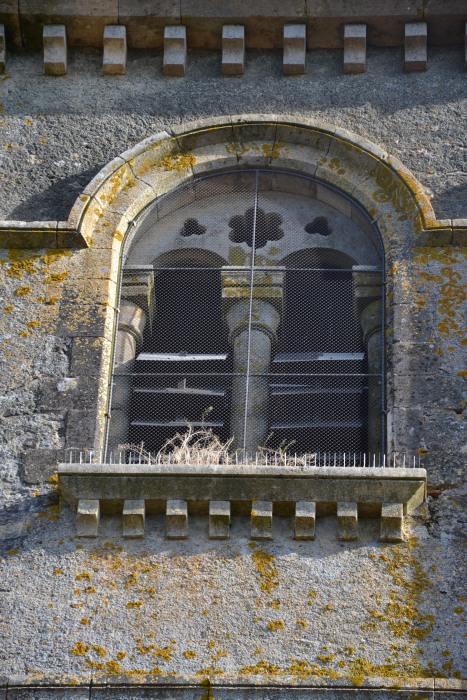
{"x": 252, "y": 304}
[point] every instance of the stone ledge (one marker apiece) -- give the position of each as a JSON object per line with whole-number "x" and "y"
{"x": 227, "y": 688}
{"x": 275, "y": 489}
{"x": 39, "y": 234}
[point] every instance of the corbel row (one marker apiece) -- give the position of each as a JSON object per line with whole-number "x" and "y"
{"x": 261, "y": 520}
{"x": 233, "y": 49}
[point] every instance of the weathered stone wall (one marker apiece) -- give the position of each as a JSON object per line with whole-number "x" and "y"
{"x": 315, "y": 613}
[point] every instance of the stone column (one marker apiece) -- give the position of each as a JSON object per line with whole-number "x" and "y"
{"x": 253, "y": 324}
{"x": 136, "y": 307}
{"x": 368, "y": 303}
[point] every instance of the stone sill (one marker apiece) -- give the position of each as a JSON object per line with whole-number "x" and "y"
{"x": 259, "y": 491}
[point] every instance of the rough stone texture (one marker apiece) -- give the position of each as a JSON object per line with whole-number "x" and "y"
{"x": 54, "y": 157}
{"x": 148, "y": 603}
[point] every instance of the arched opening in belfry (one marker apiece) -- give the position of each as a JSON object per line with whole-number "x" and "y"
{"x": 258, "y": 295}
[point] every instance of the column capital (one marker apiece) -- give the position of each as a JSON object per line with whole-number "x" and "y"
{"x": 138, "y": 287}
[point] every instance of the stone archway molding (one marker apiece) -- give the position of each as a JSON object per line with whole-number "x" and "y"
{"x": 106, "y": 210}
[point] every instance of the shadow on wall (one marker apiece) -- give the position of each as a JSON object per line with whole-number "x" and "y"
{"x": 452, "y": 202}
{"x": 55, "y": 202}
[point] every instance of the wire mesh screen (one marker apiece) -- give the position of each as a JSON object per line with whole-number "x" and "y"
{"x": 255, "y": 335}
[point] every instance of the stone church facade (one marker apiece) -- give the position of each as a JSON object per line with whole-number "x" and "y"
{"x": 248, "y": 225}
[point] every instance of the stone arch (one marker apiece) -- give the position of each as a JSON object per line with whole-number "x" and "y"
{"x": 107, "y": 213}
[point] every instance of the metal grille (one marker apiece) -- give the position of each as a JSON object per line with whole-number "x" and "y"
{"x": 251, "y": 339}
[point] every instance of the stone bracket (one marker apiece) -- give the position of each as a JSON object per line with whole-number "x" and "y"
{"x": 347, "y": 520}
{"x": 261, "y": 520}
{"x": 294, "y": 49}
{"x": 355, "y": 48}
{"x": 55, "y": 49}
{"x": 115, "y": 51}
{"x": 305, "y": 520}
{"x": 134, "y": 513}
{"x": 219, "y": 520}
{"x": 177, "y": 519}
{"x": 175, "y": 51}
{"x": 87, "y": 517}
{"x": 233, "y": 49}
{"x": 415, "y": 46}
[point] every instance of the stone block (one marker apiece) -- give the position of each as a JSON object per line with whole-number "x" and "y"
{"x": 219, "y": 520}
{"x": 55, "y": 49}
{"x": 175, "y": 49}
{"x": 305, "y": 520}
{"x": 392, "y": 520}
{"x": 2, "y": 49}
{"x": 465, "y": 46}
{"x": 145, "y": 21}
{"x": 261, "y": 520}
{"x": 177, "y": 520}
{"x": 134, "y": 514}
{"x": 80, "y": 428}
{"x": 294, "y": 49}
{"x": 40, "y": 464}
{"x": 84, "y": 20}
{"x": 114, "y": 61}
{"x": 347, "y": 521}
{"x": 355, "y": 48}
{"x": 233, "y": 49}
{"x": 87, "y": 518}
{"x": 415, "y": 46}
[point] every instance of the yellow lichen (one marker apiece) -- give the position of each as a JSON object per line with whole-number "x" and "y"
{"x": 262, "y": 668}
{"x": 275, "y": 625}
{"x": 113, "y": 667}
{"x": 56, "y": 277}
{"x": 22, "y": 291}
{"x": 177, "y": 162}
{"x": 80, "y": 649}
{"x": 85, "y": 576}
{"x": 268, "y": 573}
